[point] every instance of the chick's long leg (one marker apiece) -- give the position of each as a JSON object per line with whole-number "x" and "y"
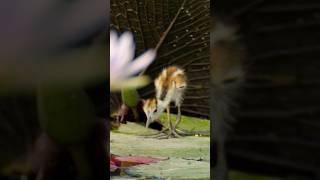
{"x": 171, "y": 127}
{"x": 158, "y": 134}
{"x": 172, "y": 132}
{"x": 169, "y": 119}
{"x": 161, "y": 134}
{"x": 178, "y": 120}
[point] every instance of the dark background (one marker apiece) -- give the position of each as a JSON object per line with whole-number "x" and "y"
{"x": 278, "y": 127}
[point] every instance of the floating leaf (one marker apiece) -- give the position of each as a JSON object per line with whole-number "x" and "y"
{"x": 126, "y": 161}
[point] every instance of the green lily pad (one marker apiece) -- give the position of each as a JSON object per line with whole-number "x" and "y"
{"x": 134, "y": 129}
{"x": 186, "y": 157}
{"x": 187, "y": 147}
{"x": 188, "y": 123}
{"x": 173, "y": 168}
{"x": 123, "y": 178}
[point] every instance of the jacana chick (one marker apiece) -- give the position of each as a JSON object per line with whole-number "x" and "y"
{"x": 170, "y": 86}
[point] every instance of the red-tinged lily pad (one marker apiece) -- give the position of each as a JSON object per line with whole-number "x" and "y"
{"x": 113, "y": 166}
{"x": 126, "y": 161}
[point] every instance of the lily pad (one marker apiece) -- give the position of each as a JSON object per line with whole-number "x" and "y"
{"x": 182, "y": 158}
{"x": 134, "y": 129}
{"x": 186, "y": 147}
{"x": 123, "y": 178}
{"x": 127, "y": 161}
{"x": 188, "y": 123}
{"x": 174, "y": 168}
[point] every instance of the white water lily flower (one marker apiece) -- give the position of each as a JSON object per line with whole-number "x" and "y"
{"x": 122, "y": 65}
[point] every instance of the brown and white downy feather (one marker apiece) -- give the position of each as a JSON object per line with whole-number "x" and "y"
{"x": 170, "y": 87}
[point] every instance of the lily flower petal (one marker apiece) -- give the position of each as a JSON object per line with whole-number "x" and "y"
{"x": 113, "y": 47}
{"x": 127, "y": 47}
{"x": 123, "y": 65}
{"x": 141, "y": 62}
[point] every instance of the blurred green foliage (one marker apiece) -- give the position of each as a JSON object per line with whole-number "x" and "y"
{"x": 130, "y": 97}
{"x": 66, "y": 115}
